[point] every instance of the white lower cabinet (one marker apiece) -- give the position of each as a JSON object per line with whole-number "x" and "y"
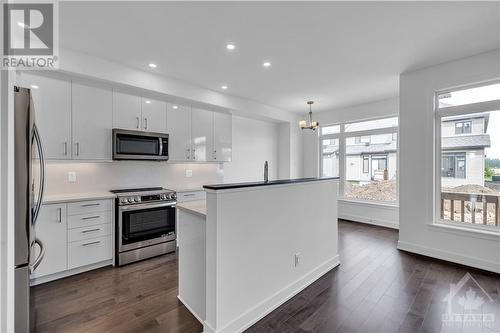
{"x": 89, "y": 251}
{"x": 76, "y": 236}
{"x": 51, "y": 228}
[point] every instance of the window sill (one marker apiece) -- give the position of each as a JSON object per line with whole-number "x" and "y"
{"x": 391, "y": 205}
{"x": 442, "y": 226}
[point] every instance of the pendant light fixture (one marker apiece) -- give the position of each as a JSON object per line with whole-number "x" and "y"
{"x": 312, "y": 124}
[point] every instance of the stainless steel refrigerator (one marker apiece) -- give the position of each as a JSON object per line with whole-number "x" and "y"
{"x": 28, "y": 194}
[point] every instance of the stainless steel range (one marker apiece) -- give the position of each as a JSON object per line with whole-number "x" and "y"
{"x": 145, "y": 223}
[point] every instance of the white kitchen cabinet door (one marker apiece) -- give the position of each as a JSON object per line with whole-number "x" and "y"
{"x": 154, "y": 115}
{"x": 51, "y": 230}
{"x": 223, "y": 137}
{"x": 92, "y": 122}
{"x": 126, "y": 111}
{"x": 179, "y": 131}
{"x": 52, "y": 101}
{"x": 202, "y": 128}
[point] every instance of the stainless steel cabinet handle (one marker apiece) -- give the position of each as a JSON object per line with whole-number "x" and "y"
{"x": 91, "y": 243}
{"x": 188, "y": 155}
{"x": 138, "y": 120}
{"x": 91, "y": 204}
{"x": 90, "y": 230}
{"x": 189, "y": 195}
{"x": 145, "y": 123}
{"x": 65, "y": 149}
{"x": 90, "y": 217}
{"x": 77, "y": 149}
{"x": 38, "y": 205}
{"x": 59, "y": 215}
{"x": 40, "y": 255}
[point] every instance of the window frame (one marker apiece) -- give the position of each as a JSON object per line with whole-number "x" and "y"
{"x": 462, "y": 131}
{"x": 342, "y": 135}
{"x": 439, "y": 114}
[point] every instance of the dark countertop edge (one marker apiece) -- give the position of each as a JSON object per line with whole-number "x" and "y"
{"x": 272, "y": 182}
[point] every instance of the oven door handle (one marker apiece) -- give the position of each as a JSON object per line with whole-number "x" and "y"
{"x": 146, "y": 206}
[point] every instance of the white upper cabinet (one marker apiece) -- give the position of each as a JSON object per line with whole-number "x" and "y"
{"x": 126, "y": 111}
{"x": 92, "y": 122}
{"x": 52, "y": 101}
{"x": 50, "y": 228}
{"x": 154, "y": 115}
{"x": 179, "y": 131}
{"x": 202, "y": 135}
{"x": 223, "y": 137}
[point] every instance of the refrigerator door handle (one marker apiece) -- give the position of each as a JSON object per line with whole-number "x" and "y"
{"x": 38, "y": 205}
{"x": 40, "y": 255}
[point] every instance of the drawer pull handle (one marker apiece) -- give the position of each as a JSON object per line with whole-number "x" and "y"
{"x": 92, "y": 204}
{"x": 90, "y": 230}
{"x": 90, "y": 217}
{"x": 91, "y": 243}
{"x": 189, "y": 195}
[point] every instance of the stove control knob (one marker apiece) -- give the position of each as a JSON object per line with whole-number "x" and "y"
{"x": 130, "y": 200}
{"x": 137, "y": 199}
{"x": 163, "y": 197}
{"x": 173, "y": 196}
{"x": 123, "y": 200}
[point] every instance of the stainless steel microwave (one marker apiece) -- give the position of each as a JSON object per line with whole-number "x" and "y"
{"x": 138, "y": 145}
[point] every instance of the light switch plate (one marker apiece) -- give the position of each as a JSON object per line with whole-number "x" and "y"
{"x": 72, "y": 177}
{"x": 189, "y": 173}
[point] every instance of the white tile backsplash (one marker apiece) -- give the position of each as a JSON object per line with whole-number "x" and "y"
{"x": 104, "y": 176}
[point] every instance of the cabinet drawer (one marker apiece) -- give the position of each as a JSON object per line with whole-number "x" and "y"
{"x": 89, "y": 251}
{"x": 190, "y": 196}
{"x": 90, "y": 219}
{"x": 89, "y": 232}
{"x": 85, "y": 207}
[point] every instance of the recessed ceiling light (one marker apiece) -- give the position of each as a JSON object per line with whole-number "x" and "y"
{"x": 266, "y": 64}
{"x": 152, "y": 65}
{"x": 223, "y": 87}
{"x": 230, "y": 46}
{"x": 175, "y": 107}
{"x": 148, "y": 102}
{"x": 34, "y": 86}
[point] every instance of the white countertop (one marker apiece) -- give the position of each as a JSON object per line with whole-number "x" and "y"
{"x": 71, "y": 197}
{"x": 198, "y": 207}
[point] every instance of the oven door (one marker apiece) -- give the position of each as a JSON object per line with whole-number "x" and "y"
{"x": 145, "y": 224}
{"x": 135, "y": 145}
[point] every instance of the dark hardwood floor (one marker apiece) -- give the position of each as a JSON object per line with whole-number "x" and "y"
{"x": 376, "y": 288}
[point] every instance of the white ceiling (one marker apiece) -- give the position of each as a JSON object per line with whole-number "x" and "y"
{"x": 335, "y": 53}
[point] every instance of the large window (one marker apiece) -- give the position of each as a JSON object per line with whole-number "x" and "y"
{"x": 468, "y": 170}
{"x": 364, "y": 155}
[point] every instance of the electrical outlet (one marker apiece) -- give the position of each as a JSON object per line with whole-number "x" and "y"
{"x": 72, "y": 177}
{"x": 297, "y": 259}
{"x": 189, "y": 173}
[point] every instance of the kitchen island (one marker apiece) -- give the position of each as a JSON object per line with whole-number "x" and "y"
{"x": 254, "y": 246}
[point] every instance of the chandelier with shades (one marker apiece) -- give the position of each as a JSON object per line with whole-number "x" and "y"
{"x": 312, "y": 124}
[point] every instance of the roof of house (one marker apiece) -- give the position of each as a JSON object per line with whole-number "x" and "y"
{"x": 466, "y": 141}
{"x": 377, "y": 148}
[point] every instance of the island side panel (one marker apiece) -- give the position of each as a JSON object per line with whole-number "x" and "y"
{"x": 255, "y": 237}
{"x": 191, "y": 235}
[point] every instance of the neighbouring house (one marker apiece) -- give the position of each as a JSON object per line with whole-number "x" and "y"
{"x": 372, "y": 157}
{"x": 463, "y": 144}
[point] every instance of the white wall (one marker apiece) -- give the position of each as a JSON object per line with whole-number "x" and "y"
{"x": 254, "y": 142}
{"x": 416, "y": 192}
{"x": 386, "y": 215}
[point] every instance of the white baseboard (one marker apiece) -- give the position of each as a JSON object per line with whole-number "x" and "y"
{"x": 63, "y": 274}
{"x": 364, "y": 219}
{"x": 449, "y": 256}
{"x": 265, "y": 307}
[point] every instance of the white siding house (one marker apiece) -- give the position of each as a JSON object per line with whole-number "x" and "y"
{"x": 463, "y": 142}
